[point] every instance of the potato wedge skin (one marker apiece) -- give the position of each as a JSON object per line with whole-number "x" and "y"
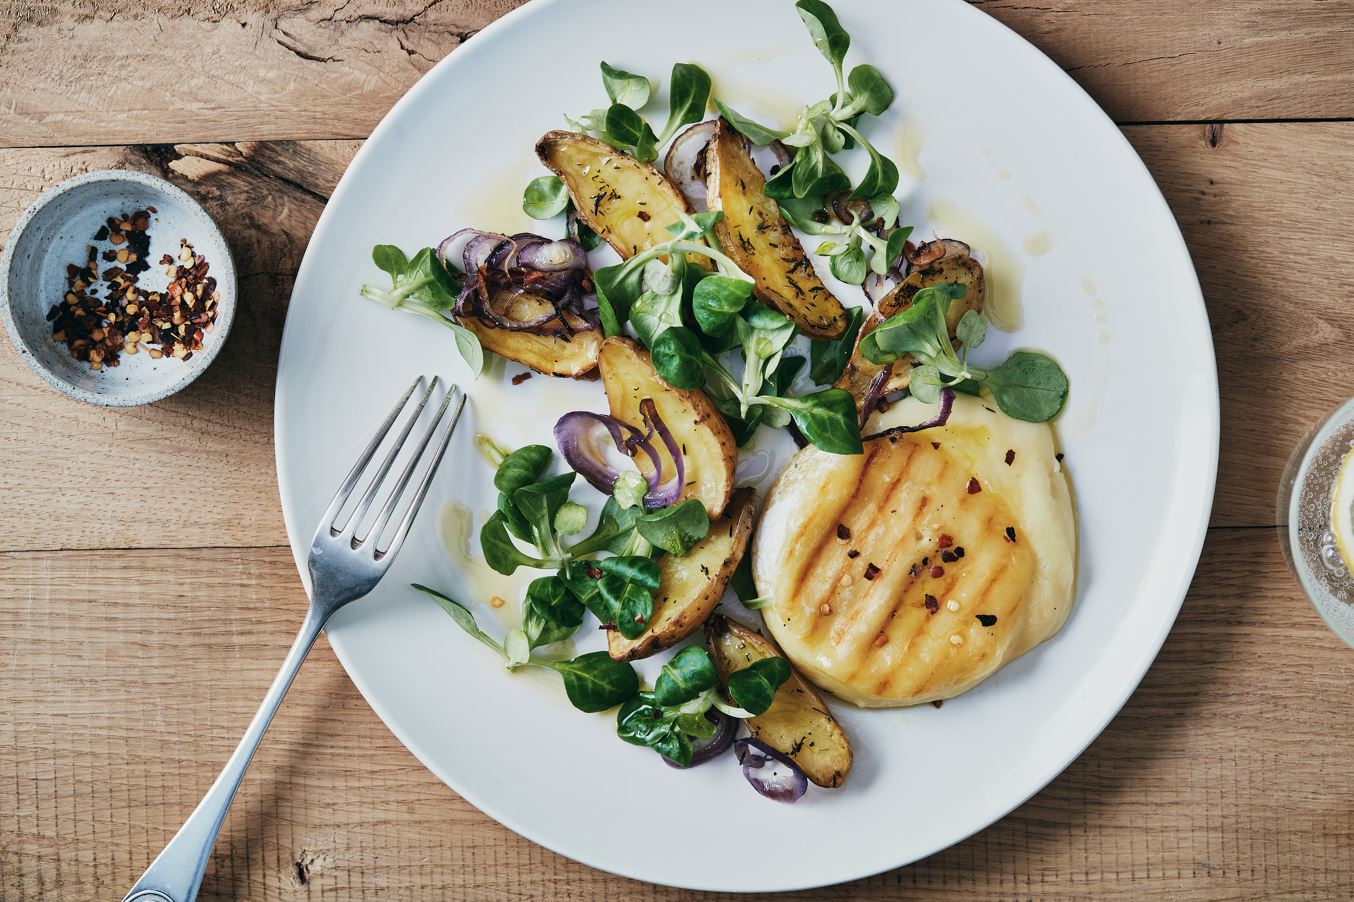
{"x": 550, "y": 355}
{"x": 798, "y": 724}
{"x": 757, "y": 238}
{"x": 960, "y": 268}
{"x": 628, "y": 204}
{"x": 692, "y": 586}
{"x": 710, "y": 454}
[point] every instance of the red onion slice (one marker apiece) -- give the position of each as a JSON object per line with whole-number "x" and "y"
{"x": 770, "y": 773}
{"x": 669, "y": 491}
{"x": 940, "y": 419}
{"x": 578, "y": 434}
{"x": 526, "y": 283}
{"x": 552, "y": 256}
{"x": 874, "y": 393}
{"x": 703, "y": 750}
{"x": 684, "y": 163}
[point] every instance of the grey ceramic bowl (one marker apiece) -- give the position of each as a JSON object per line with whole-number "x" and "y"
{"x": 56, "y": 231}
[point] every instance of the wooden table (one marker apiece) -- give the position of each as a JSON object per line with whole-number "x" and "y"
{"x": 135, "y": 639}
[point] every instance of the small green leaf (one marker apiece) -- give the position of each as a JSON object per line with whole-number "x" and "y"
{"x": 679, "y": 358}
{"x": 618, "y": 287}
{"x": 594, "y": 682}
{"x": 461, "y": 615}
{"x": 924, "y": 383}
{"x": 849, "y": 265}
{"x": 828, "y": 419}
{"x": 741, "y": 582}
{"x": 539, "y": 502}
{"x": 468, "y": 346}
{"x": 389, "y": 258}
{"x": 828, "y": 358}
{"x": 676, "y": 529}
{"x": 695, "y": 725}
{"x": 912, "y": 330}
{"x": 642, "y": 722}
{"x": 522, "y": 467}
{"x": 717, "y": 300}
{"x": 972, "y": 330}
{"x": 686, "y": 676}
{"x": 688, "y": 95}
{"x": 880, "y": 178}
{"x": 550, "y": 612}
{"x": 545, "y": 197}
{"x": 630, "y": 132}
{"x": 626, "y": 87}
{"x": 626, "y": 589}
{"x": 512, "y": 518}
{"x": 870, "y": 93}
{"x": 1029, "y": 386}
{"x": 500, "y": 552}
{"x": 758, "y": 134}
{"x": 754, "y": 687}
{"x": 828, "y": 35}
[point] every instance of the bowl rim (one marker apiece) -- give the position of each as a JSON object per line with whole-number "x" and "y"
{"x": 225, "y": 270}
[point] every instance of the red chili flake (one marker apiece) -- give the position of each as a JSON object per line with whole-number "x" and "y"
{"x": 987, "y": 619}
{"x": 937, "y": 571}
{"x": 949, "y": 557}
{"x": 1010, "y": 456}
{"x": 932, "y": 603}
{"x": 643, "y": 216}
{"x": 853, "y": 554}
{"x": 871, "y": 571}
{"x": 945, "y": 541}
{"x": 520, "y": 378}
{"x": 973, "y": 487}
{"x": 594, "y": 573}
{"x": 1010, "y": 534}
{"x": 842, "y": 532}
{"x": 936, "y": 445}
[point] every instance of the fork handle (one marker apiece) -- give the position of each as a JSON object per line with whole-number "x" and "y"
{"x": 177, "y": 872}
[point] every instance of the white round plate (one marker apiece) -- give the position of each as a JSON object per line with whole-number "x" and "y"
{"x": 1050, "y": 193}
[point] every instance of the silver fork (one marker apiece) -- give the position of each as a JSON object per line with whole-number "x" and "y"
{"x": 344, "y": 566}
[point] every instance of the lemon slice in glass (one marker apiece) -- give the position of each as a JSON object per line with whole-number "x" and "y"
{"x": 1342, "y": 511}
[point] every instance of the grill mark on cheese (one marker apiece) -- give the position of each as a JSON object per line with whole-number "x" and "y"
{"x": 886, "y": 606}
{"x": 863, "y": 538}
{"x": 892, "y": 546}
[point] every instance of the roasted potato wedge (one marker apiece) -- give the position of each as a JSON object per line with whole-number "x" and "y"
{"x": 629, "y": 204}
{"x": 707, "y": 444}
{"x": 553, "y": 355}
{"x": 798, "y": 724}
{"x": 953, "y": 267}
{"x": 757, "y": 238}
{"x": 692, "y": 586}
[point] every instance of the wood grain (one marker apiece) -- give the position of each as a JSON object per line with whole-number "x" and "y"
{"x": 1248, "y": 197}
{"x": 1227, "y": 775}
{"x": 230, "y": 70}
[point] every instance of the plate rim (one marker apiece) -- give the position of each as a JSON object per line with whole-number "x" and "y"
{"x": 1085, "y": 737}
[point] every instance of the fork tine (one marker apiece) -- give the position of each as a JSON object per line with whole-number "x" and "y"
{"x": 355, "y": 519}
{"x": 422, "y": 491}
{"x": 354, "y": 475}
